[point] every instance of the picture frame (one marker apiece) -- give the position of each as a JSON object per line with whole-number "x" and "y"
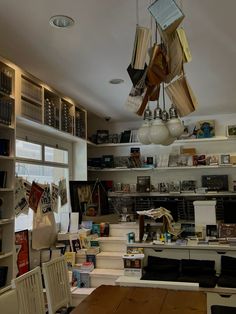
{"x": 231, "y": 131}
{"x": 225, "y": 159}
{"x": 205, "y": 129}
{"x": 212, "y": 160}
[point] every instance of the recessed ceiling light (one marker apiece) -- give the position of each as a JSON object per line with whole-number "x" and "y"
{"x": 61, "y": 21}
{"x": 116, "y": 81}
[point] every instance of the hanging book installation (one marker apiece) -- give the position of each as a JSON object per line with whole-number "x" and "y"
{"x": 141, "y": 41}
{"x": 137, "y": 69}
{"x": 182, "y": 96}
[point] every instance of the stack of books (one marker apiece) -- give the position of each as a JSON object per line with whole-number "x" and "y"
{"x": 87, "y": 266}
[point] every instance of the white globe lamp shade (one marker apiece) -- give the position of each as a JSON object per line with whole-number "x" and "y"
{"x": 143, "y": 133}
{"x": 158, "y": 132}
{"x": 169, "y": 141}
{"x": 175, "y": 126}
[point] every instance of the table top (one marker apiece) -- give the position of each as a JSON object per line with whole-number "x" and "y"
{"x": 135, "y": 300}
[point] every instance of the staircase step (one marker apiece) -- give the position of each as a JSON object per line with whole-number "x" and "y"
{"x": 112, "y": 244}
{"x": 101, "y": 276}
{"x": 110, "y": 260}
{"x": 79, "y": 294}
{"x": 121, "y": 229}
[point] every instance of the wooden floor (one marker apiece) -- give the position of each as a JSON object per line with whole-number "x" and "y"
{"x": 134, "y": 300}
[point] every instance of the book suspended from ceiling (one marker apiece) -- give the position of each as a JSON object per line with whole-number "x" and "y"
{"x": 141, "y": 43}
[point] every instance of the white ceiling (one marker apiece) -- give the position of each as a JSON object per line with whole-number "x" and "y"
{"x": 81, "y": 60}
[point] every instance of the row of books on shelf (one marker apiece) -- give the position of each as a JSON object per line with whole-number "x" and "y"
{"x": 6, "y": 110}
{"x": 135, "y": 160}
{"x": 105, "y": 137}
{"x": 3, "y": 179}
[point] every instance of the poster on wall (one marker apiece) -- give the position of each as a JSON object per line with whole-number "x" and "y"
{"x": 63, "y": 191}
{"x": 22, "y": 251}
{"x": 54, "y": 197}
{"x": 35, "y": 195}
{"x": 45, "y": 201}
{"x": 21, "y": 203}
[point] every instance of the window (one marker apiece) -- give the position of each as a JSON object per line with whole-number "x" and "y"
{"x": 43, "y": 164}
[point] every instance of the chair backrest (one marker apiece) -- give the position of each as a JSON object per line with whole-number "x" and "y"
{"x": 57, "y": 284}
{"x": 8, "y": 302}
{"x": 29, "y": 291}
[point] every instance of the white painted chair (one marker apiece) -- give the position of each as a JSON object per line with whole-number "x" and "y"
{"x": 29, "y": 291}
{"x": 57, "y": 286}
{"x": 8, "y": 302}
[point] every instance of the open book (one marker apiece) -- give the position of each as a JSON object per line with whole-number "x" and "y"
{"x": 141, "y": 42}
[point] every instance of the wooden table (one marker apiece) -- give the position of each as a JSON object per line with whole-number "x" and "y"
{"x": 136, "y": 300}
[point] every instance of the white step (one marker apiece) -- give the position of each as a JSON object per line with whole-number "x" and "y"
{"x": 112, "y": 244}
{"x": 79, "y": 294}
{"x": 100, "y": 276}
{"x": 121, "y": 229}
{"x": 110, "y": 260}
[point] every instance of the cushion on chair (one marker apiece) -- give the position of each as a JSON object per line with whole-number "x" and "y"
{"x": 197, "y": 267}
{"x": 228, "y": 265}
{"x": 203, "y": 280}
{"x": 227, "y": 281}
{"x": 227, "y": 277}
{"x": 161, "y": 264}
{"x": 221, "y": 309}
{"x": 201, "y": 271}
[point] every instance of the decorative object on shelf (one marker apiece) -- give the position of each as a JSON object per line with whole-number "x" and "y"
{"x": 143, "y": 184}
{"x": 215, "y": 182}
{"x": 199, "y": 160}
{"x": 205, "y": 129}
{"x": 188, "y": 186}
{"x": 163, "y": 187}
{"x": 225, "y": 159}
{"x": 212, "y": 160}
{"x": 108, "y": 161}
{"x": 102, "y": 136}
{"x": 174, "y": 187}
{"x": 231, "y": 131}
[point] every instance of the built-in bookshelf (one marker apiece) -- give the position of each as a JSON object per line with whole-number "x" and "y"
{"x": 7, "y": 174}
{"x": 41, "y": 104}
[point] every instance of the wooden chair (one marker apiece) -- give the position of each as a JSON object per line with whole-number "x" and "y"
{"x": 29, "y": 291}
{"x": 57, "y": 286}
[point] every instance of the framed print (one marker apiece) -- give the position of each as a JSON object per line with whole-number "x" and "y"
{"x": 205, "y": 129}
{"x": 231, "y": 130}
{"x": 22, "y": 251}
{"x": 212, "y": 160}
{"x": 225, "y": 159}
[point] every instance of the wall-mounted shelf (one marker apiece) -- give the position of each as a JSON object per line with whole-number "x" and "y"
{"x": 177, "y": 142}
{"x": 161, "y": 168}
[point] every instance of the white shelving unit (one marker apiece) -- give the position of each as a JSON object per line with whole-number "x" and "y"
{"x": 216, "y": 145}
{"x": 7, "y": 173}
